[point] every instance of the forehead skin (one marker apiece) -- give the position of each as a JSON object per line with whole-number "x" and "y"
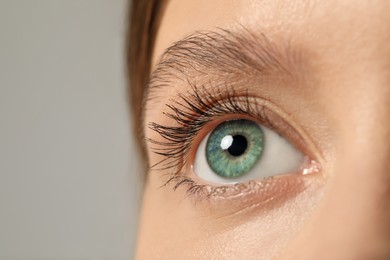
{"x": 346, "y": 100}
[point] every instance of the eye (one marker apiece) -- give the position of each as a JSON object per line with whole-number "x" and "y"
{"x": 241, "y": 150}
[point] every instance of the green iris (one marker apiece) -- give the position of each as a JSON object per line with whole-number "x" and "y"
{"x": 234, "y": 147}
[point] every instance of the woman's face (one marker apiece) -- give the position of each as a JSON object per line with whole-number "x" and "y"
{"x": 268, "y": 128}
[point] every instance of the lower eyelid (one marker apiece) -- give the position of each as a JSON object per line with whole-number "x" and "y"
{"x": 256, "y": 192}
{"x": 249, "y": 197}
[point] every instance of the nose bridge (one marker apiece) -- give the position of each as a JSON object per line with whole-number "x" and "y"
{"x": 357, "y": 201}
{"x": 363, "y": 151}
{"x": 353, "y": 219}
{"x": 358, "y": 196}
{"x": 364, "y": 148}
{"x": 360, "y": 179}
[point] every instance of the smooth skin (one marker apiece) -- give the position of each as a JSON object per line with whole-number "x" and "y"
{"x": 343, "y": 102}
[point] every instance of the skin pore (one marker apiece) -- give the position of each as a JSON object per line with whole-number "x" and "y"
{"x": 318, "y": 73}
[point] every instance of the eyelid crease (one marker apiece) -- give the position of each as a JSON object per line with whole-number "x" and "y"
{"x": 225, "y": 53}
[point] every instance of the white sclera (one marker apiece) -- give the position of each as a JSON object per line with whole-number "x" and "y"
{"x": 279, "y": 157}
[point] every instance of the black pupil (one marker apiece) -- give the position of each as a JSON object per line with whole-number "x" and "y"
{"x": 238, "y": 146}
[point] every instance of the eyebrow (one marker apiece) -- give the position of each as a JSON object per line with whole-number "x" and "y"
{"x": 224, "y": 53}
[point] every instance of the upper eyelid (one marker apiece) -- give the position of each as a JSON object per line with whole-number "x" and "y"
{"x": 224, "y": 54}
{"x": 201, "y": 106}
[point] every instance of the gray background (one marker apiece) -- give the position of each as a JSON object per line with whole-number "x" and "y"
{"x": 68, "y": 171}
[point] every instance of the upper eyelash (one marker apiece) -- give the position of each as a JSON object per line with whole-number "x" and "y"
{"x": 191, "y": 112}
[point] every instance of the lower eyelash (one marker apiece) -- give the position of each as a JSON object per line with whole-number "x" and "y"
{"x": 266, "y": 189}
{"x": 192, "y": 112}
